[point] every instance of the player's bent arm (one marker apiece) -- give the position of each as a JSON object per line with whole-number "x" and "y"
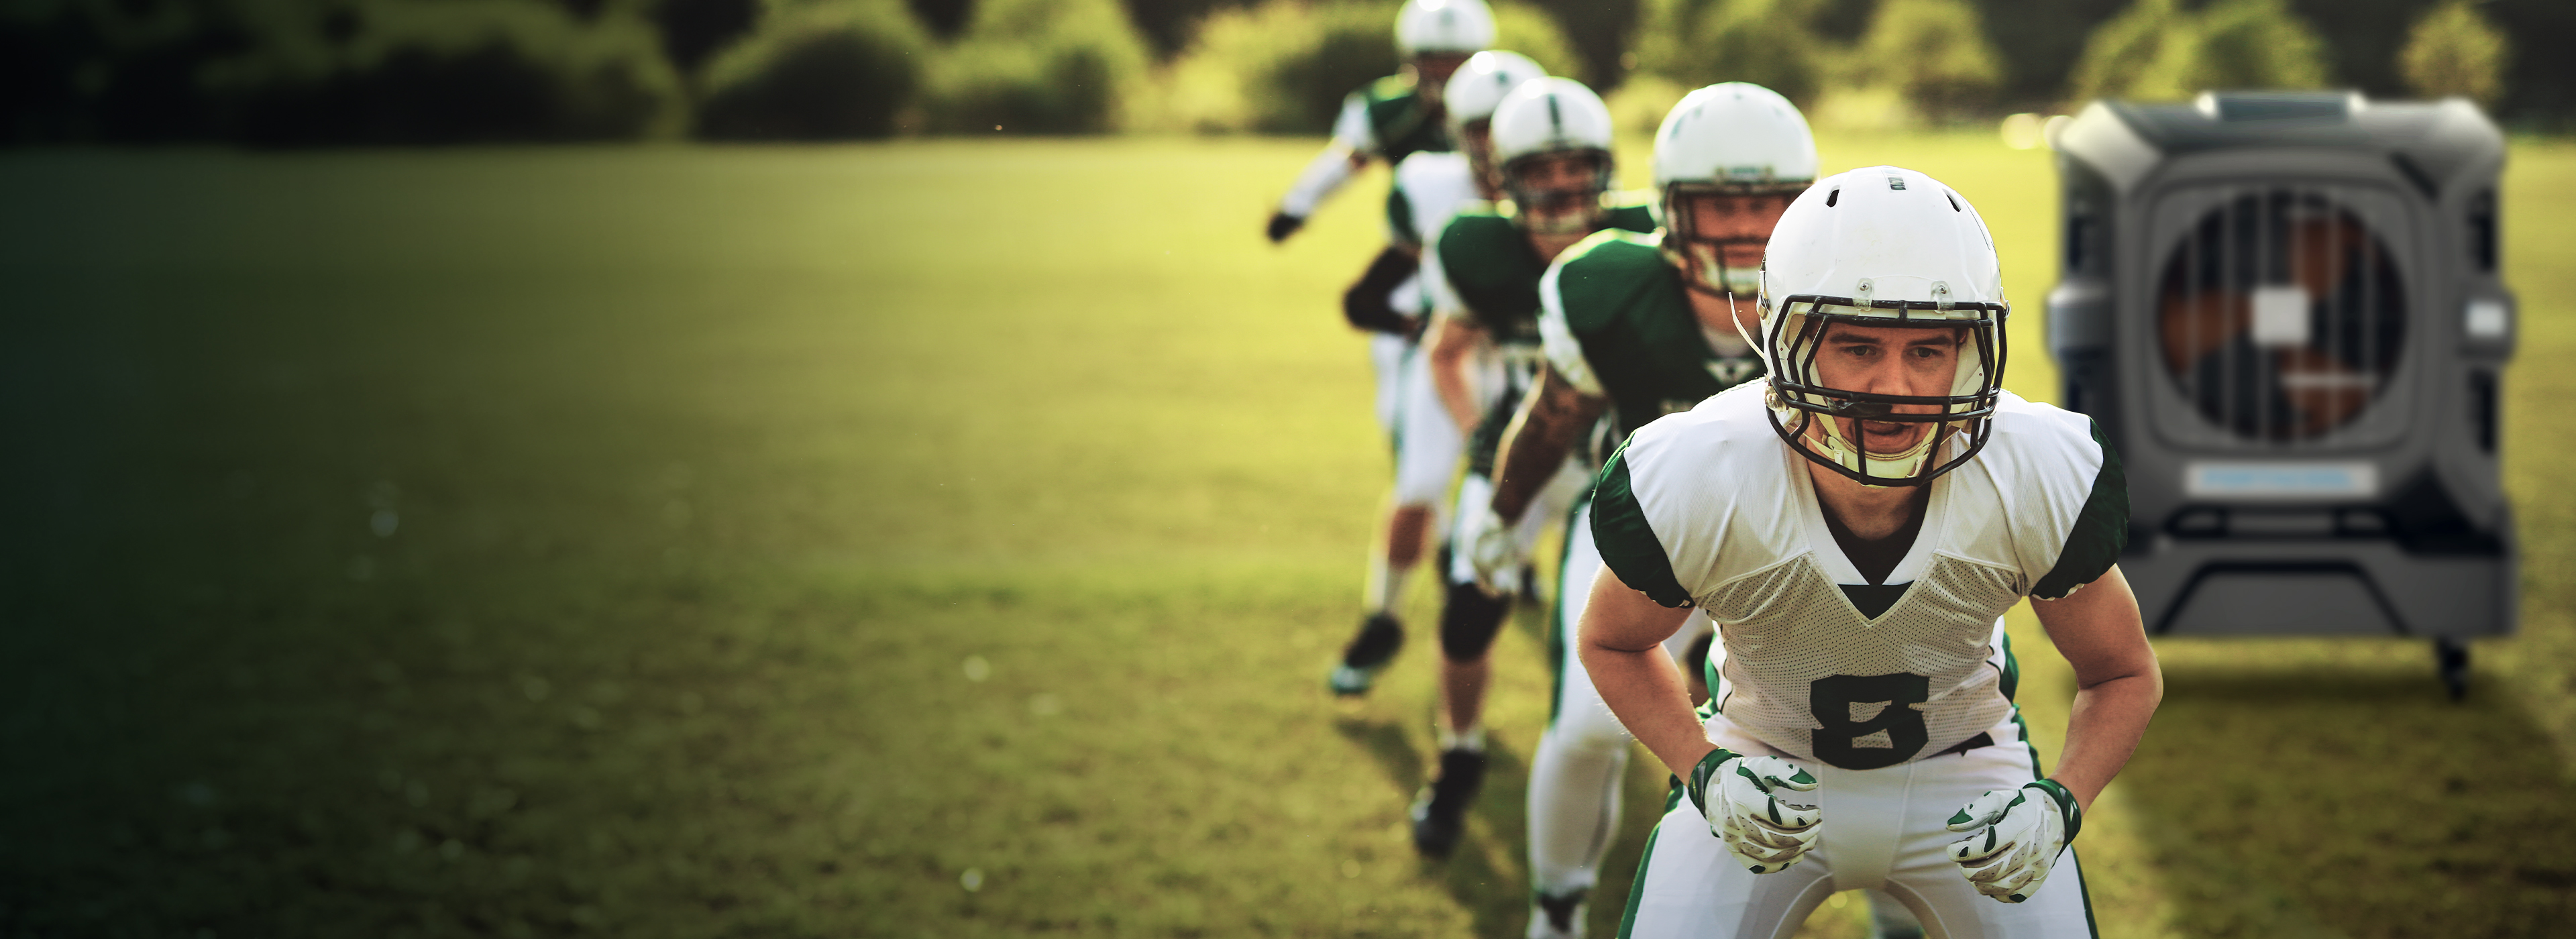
{"x": 2117, "y": 681}
{"x": 1538, "y": 438}
{"x": 1453, "y": 343}
{"x": 1621, "y": 645}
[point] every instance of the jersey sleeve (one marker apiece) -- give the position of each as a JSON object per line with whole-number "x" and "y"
{"x": 2068, "y": 497}
{"x": 1556, "y": 335}
{"x": 2099, "y": 532}
{"x": 1625, "y": 537}
{"x": 1352, "y": 129}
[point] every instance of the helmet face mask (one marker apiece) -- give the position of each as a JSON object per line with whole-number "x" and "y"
{"x": 1883, "y": 318}
{"x": 1552, "y": 137}
{"x": 1558, "y": 192}
{"x": 1716, "y": 231}
{"x": 1886, "y": 423}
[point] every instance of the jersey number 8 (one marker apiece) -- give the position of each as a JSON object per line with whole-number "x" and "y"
{"x": 1869, "y": 720}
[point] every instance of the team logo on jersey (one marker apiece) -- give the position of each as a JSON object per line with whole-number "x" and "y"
{"x": 1733, "y": 372}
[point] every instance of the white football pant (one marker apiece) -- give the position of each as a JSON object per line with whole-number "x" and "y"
{"x": 1575, "y": 773}
{"x": 1884, "y": 829}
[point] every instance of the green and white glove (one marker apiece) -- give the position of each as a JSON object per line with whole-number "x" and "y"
{"x": 1743, "y": 799}
{"x": 2015, "y": 837}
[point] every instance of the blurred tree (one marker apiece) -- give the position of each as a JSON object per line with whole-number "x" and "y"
{"x": 947, "y": 18}
{"x": 1039, "y": 66}
{"x": 1598, "y": 31}
{"x": 445, "y": 71}
{"x": 1284, "y": 66}
{"x": 2155, "y": 52}
{"x": 2539, "y": 90}
{"x": 833, "y": 69}
{"x": 1701, "y": 42}
{"x": 2455, "y": 51}
{"x": 2038, "y": 43}
{"x": 2253, "y": 44}
{"x": 692, "y": 30}
{"x": 1936, "y": 54}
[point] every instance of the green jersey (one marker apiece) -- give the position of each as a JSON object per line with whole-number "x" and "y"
{"x": 1482, "y": 263}
{"x": 1618, "y": 324}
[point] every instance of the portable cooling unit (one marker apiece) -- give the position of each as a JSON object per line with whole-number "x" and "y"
{"x": 2283, "y": 309}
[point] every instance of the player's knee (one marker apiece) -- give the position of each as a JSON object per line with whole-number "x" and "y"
{"x": 1469, "y": 620}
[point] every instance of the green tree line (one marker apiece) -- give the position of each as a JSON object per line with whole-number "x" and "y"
{"x": 339, "y": 72}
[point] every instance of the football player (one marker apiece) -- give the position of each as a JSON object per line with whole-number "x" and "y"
{"x": 1430, "y": 186}
{"x": 1855, "y": 523}
{"x": 1389, "y": 119}
{"x": 1551, "y": 140}
{"x": 1640, "y": 325}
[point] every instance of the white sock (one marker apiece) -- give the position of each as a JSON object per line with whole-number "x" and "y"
{"x": 1385, "y": 585}
{"x": 1471, "y": 740}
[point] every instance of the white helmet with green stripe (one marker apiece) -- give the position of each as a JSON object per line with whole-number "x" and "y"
{"x": 1882, "y": 325}
{"x": 1724, "y": 150}
{"x": 1546, "y": 118}
{"x": 1472, "y": 94}
{"x": 1437, "y": 26}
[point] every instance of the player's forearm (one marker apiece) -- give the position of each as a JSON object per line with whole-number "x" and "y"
{"x": 1621, "y": 649}
{"x": 1645, "y": 690}
{"x": 1536, "y": 442}
{"x": 1452, "y": 349}
{"x": 2103, "y": 730}
{"x": 1321, "y": 178}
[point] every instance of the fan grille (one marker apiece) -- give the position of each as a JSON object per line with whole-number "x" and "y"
{"x": 2280, "y": 315}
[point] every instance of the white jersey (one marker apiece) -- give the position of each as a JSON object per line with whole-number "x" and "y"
{"x": 1711, "y": 507}
{"x": 1434, "y": 186}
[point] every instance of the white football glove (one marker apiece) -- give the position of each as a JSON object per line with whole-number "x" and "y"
{"x": 1487, "y": 540}
{"x": 2015, "y": 836}
{"x": 1742, "y": 798}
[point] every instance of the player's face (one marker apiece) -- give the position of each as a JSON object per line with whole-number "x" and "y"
{"x": 1735, "y": 226}
{"x": 1431, "y": 71}
{"x": 1558, "y": 190}
{"x": 1891, "y": 361}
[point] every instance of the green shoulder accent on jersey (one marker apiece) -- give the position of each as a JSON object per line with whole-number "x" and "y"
{"x": 1402, "y": 125}
{"x": 1628, "y": 307}
{"x": 2101, "y": 529}
{"x": 1629, "y": 214}
{"x": 1628, "y": 545}
{"x": 1494, "y": 271}
{"x": 2010, "y": 680}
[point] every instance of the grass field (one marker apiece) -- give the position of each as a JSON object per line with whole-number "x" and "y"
{"x": 935, "y": 539}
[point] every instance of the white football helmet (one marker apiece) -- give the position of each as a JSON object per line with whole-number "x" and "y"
{"x": 1431, "y": 26}
{"x": 1545, "y": 117}
{"x": 1729, "y": 141}
{"x": 1882, "y": 247}
{"x": 1472, "y": 94}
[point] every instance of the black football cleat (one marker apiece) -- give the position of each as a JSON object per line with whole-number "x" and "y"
{"x": 1440, "y": 812}
{"x": 1379, "y": 637}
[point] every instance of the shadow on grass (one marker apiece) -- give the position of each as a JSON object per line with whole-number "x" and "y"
{"x": 1479, "y": 874}
{"x": 2286, "y": 803}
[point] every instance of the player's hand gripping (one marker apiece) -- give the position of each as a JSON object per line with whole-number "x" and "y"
{"x": 2015, "y": 836}
{"x": 1743, "y": 798}
{"x": 1490, "y": 551}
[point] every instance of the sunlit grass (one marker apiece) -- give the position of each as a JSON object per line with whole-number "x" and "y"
{"x": 931, "y": 538}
